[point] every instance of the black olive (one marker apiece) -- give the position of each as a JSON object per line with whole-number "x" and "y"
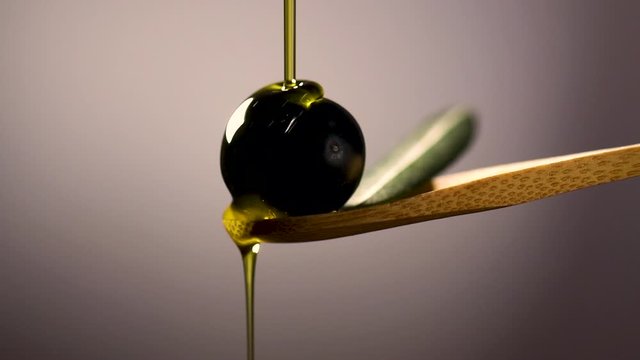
{"x": 296, "y": 150}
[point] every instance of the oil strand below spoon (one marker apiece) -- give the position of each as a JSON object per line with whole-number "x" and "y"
{"x": 249, "y": 258}
{"x": 248, "y": 208}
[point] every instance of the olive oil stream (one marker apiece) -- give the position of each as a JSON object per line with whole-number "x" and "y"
{"x": 289, "y": 43}
{"x": 253, "y": 208}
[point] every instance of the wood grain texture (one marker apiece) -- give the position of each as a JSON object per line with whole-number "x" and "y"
{"x": 467, "y": 192}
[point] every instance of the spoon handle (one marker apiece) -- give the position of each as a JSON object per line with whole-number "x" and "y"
{"x": 462, "y": 193}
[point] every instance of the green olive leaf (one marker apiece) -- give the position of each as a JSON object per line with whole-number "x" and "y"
{"x": 407, "y": 169}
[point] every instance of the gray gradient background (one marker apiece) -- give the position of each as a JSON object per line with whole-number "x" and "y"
{"x": 111, "y": 116}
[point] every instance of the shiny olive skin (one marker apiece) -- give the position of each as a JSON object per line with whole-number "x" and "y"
{"x": 298, "y": 151}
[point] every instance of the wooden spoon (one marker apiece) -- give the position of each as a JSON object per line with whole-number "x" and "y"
{"x": 456, "y": 194}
